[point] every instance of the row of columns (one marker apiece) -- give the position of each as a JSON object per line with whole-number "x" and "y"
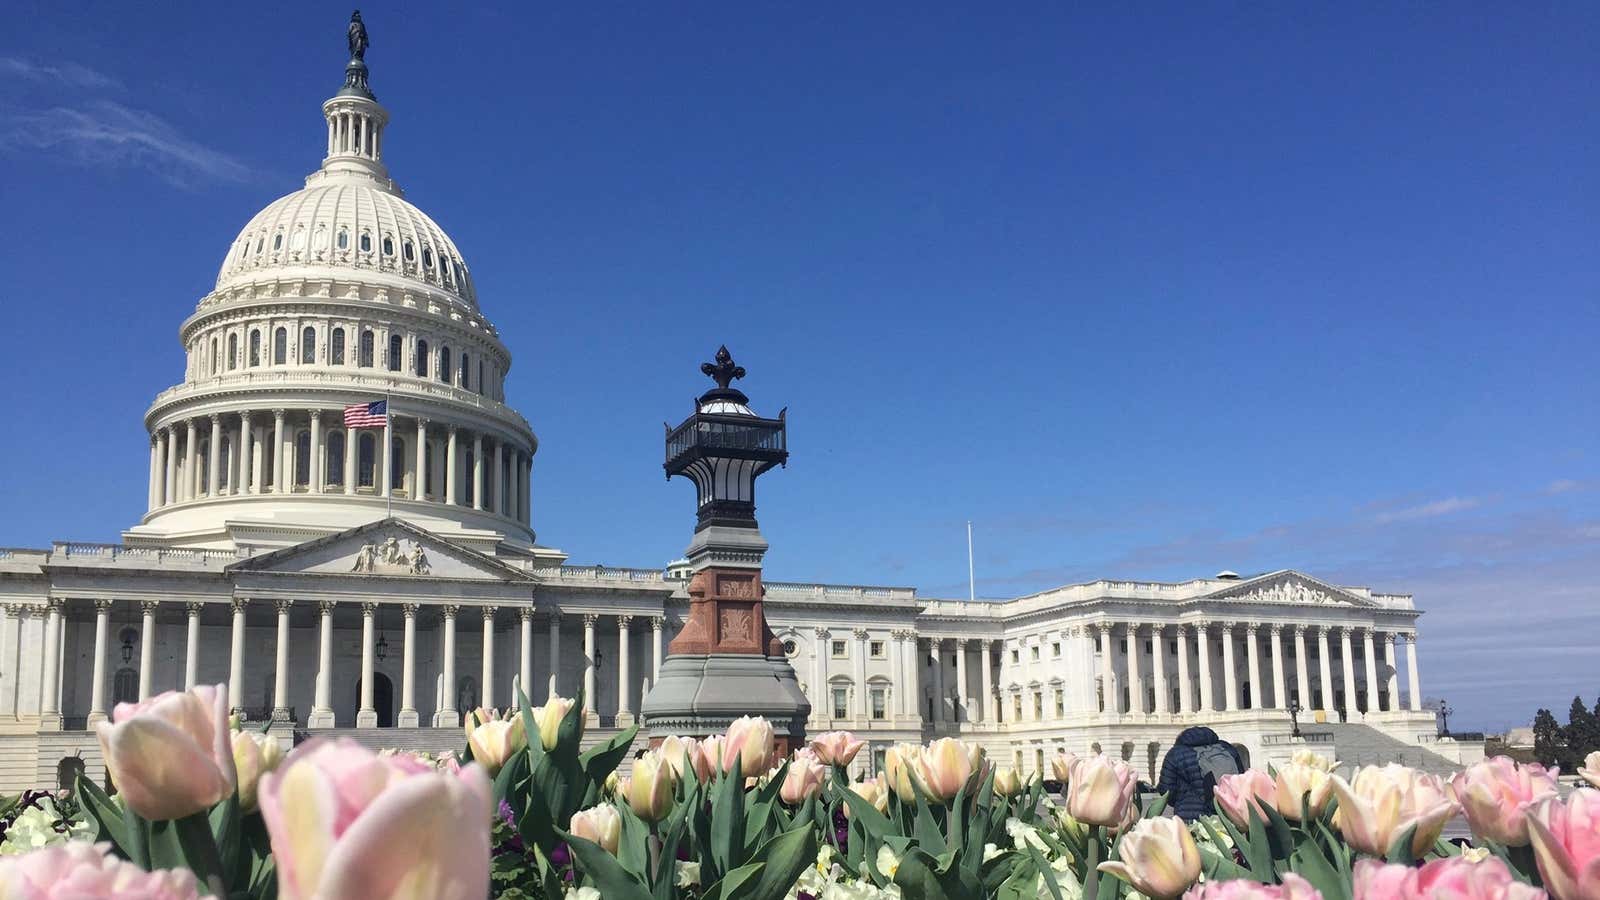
{"x": 366, "y": 716}
{"x": 500, "y": 483}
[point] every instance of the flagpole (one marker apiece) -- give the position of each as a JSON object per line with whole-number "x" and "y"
{"x": 972, "y": 584}
{"x": 388, "y": 435}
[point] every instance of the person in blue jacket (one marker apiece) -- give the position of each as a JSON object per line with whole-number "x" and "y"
{"x": 1189, "y": 773}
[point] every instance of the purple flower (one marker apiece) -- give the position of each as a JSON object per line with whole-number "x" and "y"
{"x": 561, "y": 856}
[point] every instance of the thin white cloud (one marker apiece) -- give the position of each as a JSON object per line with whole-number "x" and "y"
{"x": 1563, "y": 486}
{"x": 104, "y": 132}
{"x": 69, "y": 74}
{"x": 1428, "y": 510}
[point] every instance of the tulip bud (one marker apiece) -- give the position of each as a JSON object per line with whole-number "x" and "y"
{"x": 1101, "y": 791}
{"x": 601, "y": 824}
{"x": 945, "y": 766}
{"x": 549, "y": 717}
{"x": 1383, "y": 801}
{"x": 171, "y": 756}
{"x": 1590, "y": 770}
{"x": 1158, "y": 857}
{"x": 254, "y": 754}
{"x": 1495, "y": 795}
{"x": 836, "y": 748}
{"x": 900, "y": 767}
{"x": 650, "y": 787}
{"x": 1251, "y": 790}
{"x": 710, "y": 755}
{"x": 1302, "y": 784}
{"x": 683, "y": 754}
{"x": 1061, "y": 766}
{"x": 495, "y": 741}
{"x": 1007, "y": 783}
{"x": 751, "y": 740}
{"x": 874, "y": 790}
{"x": 79, "y": 869}
{"x": 804, "y": 778}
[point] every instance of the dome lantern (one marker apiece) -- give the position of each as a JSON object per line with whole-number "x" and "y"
{"x": 355, "y": 120}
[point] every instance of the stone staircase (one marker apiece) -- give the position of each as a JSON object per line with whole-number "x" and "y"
{"x": 1362, "y": 745}
{"x": 431, "y": 740}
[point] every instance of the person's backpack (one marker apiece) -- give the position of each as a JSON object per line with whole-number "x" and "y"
{"x": 1215, "y": 761}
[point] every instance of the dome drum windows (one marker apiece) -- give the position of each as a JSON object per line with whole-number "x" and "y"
{"x": 365, "y": 359}
{"x": 444, "y": 364}
{"x": 397, "y": 349}
{"x": 366, "y": 242}
{"x": 334, "y": 460}
{"x": 336, "y": 348}
{"x": 422, "y": 359}
{"x": 308, "y": 345}
{"x": 255, "y": 348}
{"x": 344, "y": 239}
{"x": 233, "y": 352}
{"x": 280, "y": 346}
{"x": 366, "y": 459}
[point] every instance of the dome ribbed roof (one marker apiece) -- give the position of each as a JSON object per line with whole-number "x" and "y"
{"x": 348, "y": 223}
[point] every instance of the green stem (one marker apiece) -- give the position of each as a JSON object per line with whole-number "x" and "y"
{"x": 1091, "y": 872}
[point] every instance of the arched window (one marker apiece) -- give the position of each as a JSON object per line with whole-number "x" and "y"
{"x": 480, "y": 376}
{"x": 215, "y": 360}
{"x": 125, "y": 686}
{"x": 427, "y": 257}
{"x": 366, "y": 348}
{"x": 410, "y": 250}
{"x": 422, "y": 359}
{"x": 259, "y": 241}
{"x": 444, "y": 266}
{"x": 397, "y": 463}
{"x": 427, "y": 468}
{"x": 302, "y": 459}
{"x": 277, "y": 242}
{"x": 255, "y": 347}
{"x": 366, "y": 242}
{"x": 308, "y": 345}
{"x": 280, "y": 346}
{"x": 233, "y": 352}
{"x": 464, "y": 370}
{"x": 298, "y": 241}
{"x": 366, "y": 459}
{"x": 444, "y": 364}
{"x": 335, "y": 464}
{"x": 336, "y": 348}
{"x": 397, "y": 351}
{"x": 344, "y": 239}
{"x": 388, "y": 245}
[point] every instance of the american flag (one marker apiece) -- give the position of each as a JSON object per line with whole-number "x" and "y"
{"x": 367, "y": 415}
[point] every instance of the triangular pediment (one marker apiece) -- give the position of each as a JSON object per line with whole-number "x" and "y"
{"x": 1289, "y": 587}
{"x": 389, "y": 548}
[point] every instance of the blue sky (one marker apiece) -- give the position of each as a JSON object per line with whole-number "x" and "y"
{"x": 1144, "y": 293}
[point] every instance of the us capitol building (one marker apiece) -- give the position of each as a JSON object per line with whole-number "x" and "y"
{"x": 379, "y": 580}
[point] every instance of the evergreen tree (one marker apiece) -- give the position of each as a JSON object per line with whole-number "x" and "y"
{"x": 1582, "y": 734}
{"x": 1547, "y": 744}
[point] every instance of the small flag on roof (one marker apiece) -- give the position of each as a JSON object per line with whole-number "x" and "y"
{"x": 367, "y": 415}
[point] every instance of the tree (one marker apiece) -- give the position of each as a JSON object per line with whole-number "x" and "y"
{"x": 1582, "y": 734}
{"x": 1548, "y": 747}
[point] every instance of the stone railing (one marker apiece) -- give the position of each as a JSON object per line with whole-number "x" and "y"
{"x": 80, "y": 551}
{"x": 797, "y": 592}
{"x": 599, "y": 573}
{"x": 335, "y": 378}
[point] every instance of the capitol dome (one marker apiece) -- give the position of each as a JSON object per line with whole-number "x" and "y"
{"x": 341, "y": 371}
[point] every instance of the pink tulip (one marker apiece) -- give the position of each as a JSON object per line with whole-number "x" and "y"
{"x": 345, "y": 822}
{"x": 804, "y": 778}
{"x": 79, "y": 870}
{"x": 1061, "y": 766}
{"x": 1566, "y": 844}
{"x": 752, "y": 742}
{"x": 711, "y": 753}
{"x": 836, "y": 748}
{"x": 1304, "y": 783}
{"x": 1101, "y": 791}
{"x": 900, "y": 768}
{"x": 1237, "y": 795}
{"x": 254, "y": 754}
{"x": 600, "y": 824}
{"x": 1383, "y": 801}
{"x": 495, "y": 741}
{"x": 1455, "y": 877}
{"x": 1590, "y": 770}
{"x": 171, "y": 756}
{"x": 945, "y": 766}
{"x": 685, "y": 756}
{"x": 1495, "y": 796}
{"x": 1158, "y": 858}
{"x": 1293, "y": 888}
{"x": 874, "y": 790}
{"x": 650, "y": 787}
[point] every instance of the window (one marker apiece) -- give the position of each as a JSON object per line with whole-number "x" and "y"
{"x": 201, "y": 464}
{"x": 397, "y": 350}
{"x": 366, "y": 242}
{"x": 422, "y": 359}
{"x": 427, "y": 257}
{"x": 397, "y": 463}
{"x": 280, "y": 346}
{"x": 302, "y": 459}
{"x": 255, "y": 348}
{"x": 790, "y": 648}
{"x": 335, "y": 464}
{"x": 875, "y": 649}
{"x": 469, "y": 490}
{"x": 444, "y": 364}
{"x": 879, "y": 707}
{"x": 444, "y": 266}
{"x": 480, "y": 376}
{"x": 298, "y": 242}
{"x": 388, "y": 245}
{"x": 215, "y": 361}
{"x": 344, "y": 239}
{"x": 277, "y": 241}
{"x": 840, "y": 650}
{"x": 1016, "y": 708}
{"x": 227, "y": 454}
{"x": 258, "y": 244}
{"x": 1016, "y": 655}
{"x": 1038, "y": 705}
{"x": 1033, "y": 653}
{"x": 1055, "y": 649}
{"x": 336, "y": 348}
{"x": 308, "y": 345}
{"x": 1061, "y": 703}
{"x": 366, "y": 460}
{"x": 233, "y": 352}
{"x": 410, "y": 251}
{"x": 841, "y": 703}
{"x": 1173, "y": 648}
{"x": 427, "y": 469}
{"x": 464, "y": 370}
{"x": 1147, "y": 647}
{"x": 125, "y": 686}
{"x": 365, "y": 360}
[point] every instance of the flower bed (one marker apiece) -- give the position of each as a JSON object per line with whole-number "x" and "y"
{"x": 203, "y": 808}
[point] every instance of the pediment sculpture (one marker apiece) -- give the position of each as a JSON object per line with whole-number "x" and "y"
{"x": 387, "y": 558}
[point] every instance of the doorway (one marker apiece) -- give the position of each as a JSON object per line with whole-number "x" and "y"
{"x": 382, "y": 698}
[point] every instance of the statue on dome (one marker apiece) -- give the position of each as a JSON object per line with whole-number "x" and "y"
{"x": 357, "y": 37}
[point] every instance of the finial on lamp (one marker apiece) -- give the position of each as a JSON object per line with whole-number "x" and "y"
{"x": 723, "y": 371}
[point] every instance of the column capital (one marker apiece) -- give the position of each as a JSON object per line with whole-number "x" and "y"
{"x": 589, "y": 619}
{"x": 656, "y": 622}
{"x": 408, "y": 610}
{"x": 822, "y": 632}
{"x": 245, "y": 416}
{"x": 449, "y": 610}
{"x": 1389, "y": 637}
{"x": 1275, "y": 629}
{"x": 453, "y": 429}
{"x": 1339, "y": 631}
{"x": 101, "y": 605}
{"x": 860, "y": 633}
{"x": 489, "y": 612}
{"x": 1183, "y": 629}
{"x": 624, "y": 622}
{"x": 316, "y": 415}
{"x": 194, "y": 607}
{"x": 553, "y": 616}
{"x": 325, "y": 607}
{"x": 423, "y": 421}
{"x": 282, "y": 606}
{"x": 216, "y": 418}
{"x": 239, "y": 603}
{"x": 278, "y": 414}
{"x": 369, "y": 608}
{"x": 148, "y": 607}
{"x": 525, "y": 613}
{"x": 1204, "y": 625}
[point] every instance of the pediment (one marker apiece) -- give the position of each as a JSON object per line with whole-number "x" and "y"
{"x": 1291, "y": 588}
{"x": 389, "y": 548}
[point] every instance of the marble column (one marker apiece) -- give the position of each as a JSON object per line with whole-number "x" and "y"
{"x": 147, "y": 647}
{"x": 315, "y": 476}
{"x": 486, "y": 671}
{"x": 245, "y": 484}
{"x": 589, "y": 620}
{"x": 408, "y": 717}
{"x": 963, "y": 708}
{"x": 477, "y": 471}
{"x": 525, "y": 656}
{"x": 236, "y": 657}
{"x": 935, "y": 654}
{"x": 499, "y": 478}
{"x": 214, "y": 458}
{"x": 986, "y": 659}
{"x": 1389, "y": 658}
{"x": 322, "y": 709}
{"x": 823, "y": 708}
{"x": 860, "y": 657}
{"x": 385, "y": 479}
{"x": 191, "y": 468}
{"x": 1411, "y": 672}
{"x": 352, "y": 439}
{"x": 97, "y": 688}
{"x": 280, "y": 683}
{"x": 49, "y": 706}
{"x": 1135, "y": 678}
{"x": 1111, "y": 704}
{"x": 1202, "y": 636}
{"x": 554, "y": 655}
{"x": 1252, "y": 657}
{"x": 1302, "y": 668}
{"x": 280, "y": 473}
{"x": 1158, "y": 667}
{"x": 152, "y": 494}
{"x": 1280, "y": 692}
{"x": 1325, "y": 667}
{"x": 1349, "y": 660}
{"x": 367, "y": 715}
{"x": 624, "y": 676}
{"x": 191, "y": 657}
{"x": 1185, "y": 689}
{"x": 1230, "y": 675}
{"x": 451, "y": 475}
{"x": 419, "y": 480}
{"x": 1371, "y": 652}
{"x": 655, "y": 648}
{"x": 169, "y": 438}
{"x": 445, "y": 714}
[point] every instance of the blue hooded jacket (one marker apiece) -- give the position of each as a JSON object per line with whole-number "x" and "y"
{"x": 1181, "y": 777}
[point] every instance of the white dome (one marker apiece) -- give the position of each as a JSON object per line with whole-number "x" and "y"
{"x": 347, "y": 222}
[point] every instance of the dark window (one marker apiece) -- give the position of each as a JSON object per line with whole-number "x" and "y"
{"x": 125, "y": 686}
{"x": 366, "y": 242}
{"x": 344, "y": 239}
{"x": 280, "y": 346}
{"x": 411, "y": 252}
{"x": 366, "y": 466}
{"x": 335, "y": 464}
{"x": 397, "y": 349}
{"x": 465, "y": 369}
{"x": 444, "y": 364}
{"x": 427, "y": 468}
{"x": 308, "y": 345}
{"x": 336, "y": 348}
{"x": 480, "y": 376}
{"x": 397, "y": 463}
{"x": 277, "y": 241}
{"x": 422, "y": 359}
{"x": 388, "y": 245}
{"x": 215, "y": 360}
{"x": 469, "y": 495}
{"x": 233, "y": 352}
{"x": 427, "y": 257}
{"x": 366, "y": 348}
{"x": 227, "y": 454}
{"x": 255, "y": 348}
{"x": 302, "y": 459}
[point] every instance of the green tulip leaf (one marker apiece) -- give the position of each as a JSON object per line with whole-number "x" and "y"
{"x": 1045, "y": 872}
{"x": 109, "y": 820}
{"x": 1400, "y": 846}
{"x": 785, "y": 857}
{"x": 613, "y": 881}
{"x": 1308, "y": 862}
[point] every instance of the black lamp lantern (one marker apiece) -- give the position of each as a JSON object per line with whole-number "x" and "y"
{"x": 127, "y": 646}
{"x": 383, "y": 642}
{"x": 1294, "y": 718}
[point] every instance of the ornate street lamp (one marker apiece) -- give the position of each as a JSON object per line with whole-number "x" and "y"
{"x": 1294, "y": 718}
{"x": 1444, "y": 718}
{"x": 127, "y": 646}
{"x": 383, "y": 642}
